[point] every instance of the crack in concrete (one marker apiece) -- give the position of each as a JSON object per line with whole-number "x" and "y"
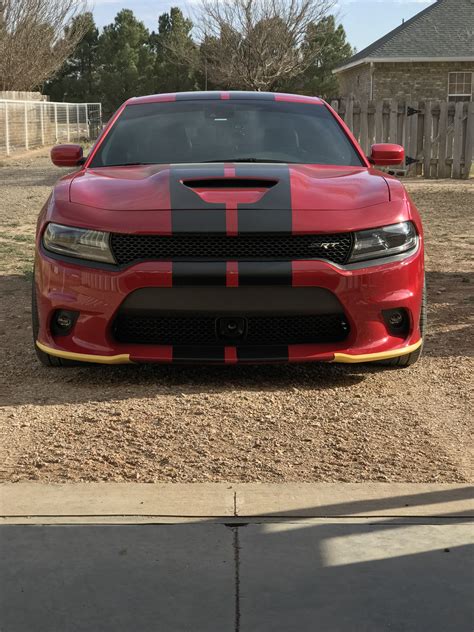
{"x": 236, "y": 545}
{"x": 234, "y": 527}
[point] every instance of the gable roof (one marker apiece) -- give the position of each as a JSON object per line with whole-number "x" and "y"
{"x": 444, "y": 30}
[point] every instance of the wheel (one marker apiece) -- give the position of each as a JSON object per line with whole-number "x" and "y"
{"x": 44, "y": 358}
{"x": 410, "y": 358}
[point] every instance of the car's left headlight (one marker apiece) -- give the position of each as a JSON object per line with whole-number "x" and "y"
{"x": 81, "y": 243}
{"x": 384, "y": 242}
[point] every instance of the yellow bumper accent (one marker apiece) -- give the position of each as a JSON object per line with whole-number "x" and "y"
{"x": 124, "y": 358}
{"x": 373, "y": 357}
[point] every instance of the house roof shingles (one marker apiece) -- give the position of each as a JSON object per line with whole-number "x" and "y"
{"x": 445, "y": 29}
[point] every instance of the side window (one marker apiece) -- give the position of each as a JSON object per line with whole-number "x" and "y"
{"x": 460, "y": 86}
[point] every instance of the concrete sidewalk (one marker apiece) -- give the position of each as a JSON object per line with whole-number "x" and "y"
{"x": 232, "y": 558}
{"x": 28, "y": 503}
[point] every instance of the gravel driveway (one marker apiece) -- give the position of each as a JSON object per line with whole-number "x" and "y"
{"x": 273, "y": 423}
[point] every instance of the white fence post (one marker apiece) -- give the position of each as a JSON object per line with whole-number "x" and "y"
{"x": 26, "y": 127}
{"x": 86, "y": 119}
{"x": 469, "y": 141}
{"x": 42, "y": 123}
{"x": 7, "y": 130}
{"x": 67, "y": 123}
{"x": 56, "y": 122}
{"x": 77, "y": 122}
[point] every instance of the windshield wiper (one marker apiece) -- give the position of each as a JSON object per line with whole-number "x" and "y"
{"x": 248, "y": 160}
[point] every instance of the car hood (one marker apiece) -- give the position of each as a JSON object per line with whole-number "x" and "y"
{"x": 216, "y": 186}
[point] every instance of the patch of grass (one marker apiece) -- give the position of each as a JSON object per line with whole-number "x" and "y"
{"x": 28, "y": 272}
{"x": 8, "y": 249}
{"x": 25, "y": 239}
{"x": 16, "y": 257}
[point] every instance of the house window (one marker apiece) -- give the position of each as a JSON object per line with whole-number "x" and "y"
{"x": 460, "y": 86}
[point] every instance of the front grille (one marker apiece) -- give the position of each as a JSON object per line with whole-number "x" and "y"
{"x": 203, "y": 330}
{"x": 130, "y": 248}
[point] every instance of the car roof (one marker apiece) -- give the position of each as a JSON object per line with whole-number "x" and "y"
{"x": 223, "y": 95}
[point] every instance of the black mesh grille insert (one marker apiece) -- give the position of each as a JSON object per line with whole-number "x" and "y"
{"x": 203, "y": 330}
{"x": 130, "y": 248}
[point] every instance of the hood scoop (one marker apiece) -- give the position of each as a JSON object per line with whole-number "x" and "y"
{"x": 230, "y": 183}
{"x": 230, "y": 191}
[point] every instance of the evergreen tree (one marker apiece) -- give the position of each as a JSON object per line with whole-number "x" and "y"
{"x": 176, "y": 53}
{"x": 126, "y": 61}
{"x": 78, "y": 78}
{"x": 326, "y": 44}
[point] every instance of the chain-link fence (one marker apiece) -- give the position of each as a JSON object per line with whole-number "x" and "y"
{"x": 28, "y": 125}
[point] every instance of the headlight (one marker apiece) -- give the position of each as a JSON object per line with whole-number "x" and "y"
{"x": 78, "y": 242}
{"x": 384, "y": 242}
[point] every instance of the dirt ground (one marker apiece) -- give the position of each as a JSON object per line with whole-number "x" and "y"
{"x": 273, "y": 423}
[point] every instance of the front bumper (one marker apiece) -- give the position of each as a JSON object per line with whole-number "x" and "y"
{"x": 97, "y": 295}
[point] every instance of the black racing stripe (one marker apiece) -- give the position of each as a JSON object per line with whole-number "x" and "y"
{"x": 260, "y": 96}
{"x": 189, "y": 212}
{"x": 272, "y": 213}
{"x": 263, "y": 221}
{"x": 198, "y": 221}
{"x": 263, "y": 352}
{"x": 199, "y": 273}
{"x": 186, "y": 353}
{"x": 201, "y": 96}
{"x": 265, "y": 273}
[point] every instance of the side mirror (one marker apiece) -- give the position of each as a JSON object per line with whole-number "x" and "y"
{"x": 385, "y": 154}
{"x": 67, "y": 155}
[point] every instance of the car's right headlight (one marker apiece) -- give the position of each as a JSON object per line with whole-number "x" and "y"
{"x": 384, "y": 242}
{"x": 81, "y": 243}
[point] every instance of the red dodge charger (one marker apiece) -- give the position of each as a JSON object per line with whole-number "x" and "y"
{"x": 228, "y": 227}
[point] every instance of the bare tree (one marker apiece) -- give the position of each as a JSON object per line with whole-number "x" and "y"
{"x": 36, "y": 37}
{"x": 256, "y": 44}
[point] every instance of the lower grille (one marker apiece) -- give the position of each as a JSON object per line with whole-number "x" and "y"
{"x": 204, "y": 330}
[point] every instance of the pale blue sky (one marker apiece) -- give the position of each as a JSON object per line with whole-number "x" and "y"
{"x": 364, "y": 20}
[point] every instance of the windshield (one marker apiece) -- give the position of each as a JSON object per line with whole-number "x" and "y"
{"x": 226, "y": 131}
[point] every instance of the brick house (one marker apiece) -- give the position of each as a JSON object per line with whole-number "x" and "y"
{"x": 430, "y": 56}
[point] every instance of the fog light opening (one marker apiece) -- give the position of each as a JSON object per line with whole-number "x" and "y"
{"x": 397, "y": 321}
{"x": 63, "y": 322}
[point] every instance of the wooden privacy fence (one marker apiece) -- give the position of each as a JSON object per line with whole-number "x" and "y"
{"x": 437, "y": 135}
